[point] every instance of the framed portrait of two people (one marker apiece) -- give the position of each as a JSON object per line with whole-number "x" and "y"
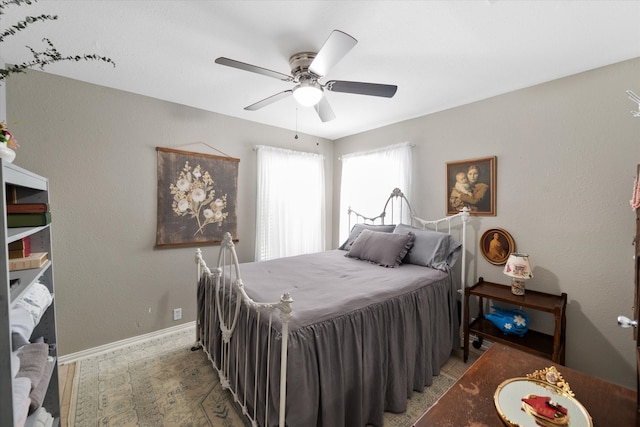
{"x": 472, "y": 184}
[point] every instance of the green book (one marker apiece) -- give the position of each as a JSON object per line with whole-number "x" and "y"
{"x": 28, "y": 219}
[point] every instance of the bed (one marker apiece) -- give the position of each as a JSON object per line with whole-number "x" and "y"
{"x": 338, "y": 337}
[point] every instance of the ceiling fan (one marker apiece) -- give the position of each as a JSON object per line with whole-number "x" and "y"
{"x": 307, "y": 68}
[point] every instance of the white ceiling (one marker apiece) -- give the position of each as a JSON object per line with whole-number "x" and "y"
{"x": 441, "y": 54}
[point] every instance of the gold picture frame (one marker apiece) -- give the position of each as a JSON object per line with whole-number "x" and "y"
{"x": 472, "y": 184}
{"x": 197, "y": 198}
{"x": 496, "y": 245}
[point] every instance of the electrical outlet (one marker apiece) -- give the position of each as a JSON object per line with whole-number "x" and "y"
{"x": 177, "y": 313}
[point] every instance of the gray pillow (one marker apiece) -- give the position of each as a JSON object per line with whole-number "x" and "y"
{"x": 431, "y": 248}
{"x": 357, "y": 229}
{"x": 385, "y": 249}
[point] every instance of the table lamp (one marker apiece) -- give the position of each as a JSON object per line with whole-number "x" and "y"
{"x": 518, "y": 268}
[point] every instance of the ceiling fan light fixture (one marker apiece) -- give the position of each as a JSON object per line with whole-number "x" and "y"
{"x": 307, "y": 94}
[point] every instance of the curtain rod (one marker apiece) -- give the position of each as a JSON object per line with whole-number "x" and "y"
{"x": 377, "y": 150}
{"x": 286, "y": 150}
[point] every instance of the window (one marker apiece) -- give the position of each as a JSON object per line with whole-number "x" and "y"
{"x": 290, "y": 217}
{"x": 368, "y": 178}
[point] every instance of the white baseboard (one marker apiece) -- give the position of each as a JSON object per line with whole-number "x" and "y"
{"x": 74, "y": 357}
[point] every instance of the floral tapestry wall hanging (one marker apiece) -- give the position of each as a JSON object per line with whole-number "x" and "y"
{"x": 197, "y": 198}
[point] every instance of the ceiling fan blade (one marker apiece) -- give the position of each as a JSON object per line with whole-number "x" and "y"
{"x": 253, "y": 68}
{"x": 324, "y": 110}
{"x": 360, "y": 88}
{"x": 331, "y": 52}
{"x": 269, "y": 100}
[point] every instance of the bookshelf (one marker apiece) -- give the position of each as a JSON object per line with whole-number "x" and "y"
{"x": 23, "y": 186}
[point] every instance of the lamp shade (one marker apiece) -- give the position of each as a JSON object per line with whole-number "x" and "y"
{"x": 307, "y": 93}
{"x": 518, "y": 266}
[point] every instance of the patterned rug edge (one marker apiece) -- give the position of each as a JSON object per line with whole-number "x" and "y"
{"x": 410, "y": 416}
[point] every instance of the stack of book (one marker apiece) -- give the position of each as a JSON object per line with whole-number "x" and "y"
{"x": 20, "y": 248}
{"x": 28, "y": 214}
{"x": 35, "y": 260}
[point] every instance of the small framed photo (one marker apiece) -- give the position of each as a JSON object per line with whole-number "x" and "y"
{"x": 472, "y": 184}
{"x": 496, "y": 245}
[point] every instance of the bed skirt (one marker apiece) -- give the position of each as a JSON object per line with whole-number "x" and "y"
{"x": 344, "y": 371}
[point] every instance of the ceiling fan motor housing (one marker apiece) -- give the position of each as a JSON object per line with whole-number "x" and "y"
{"x": 308, "y": 91}
{"x": 299, "y": 63}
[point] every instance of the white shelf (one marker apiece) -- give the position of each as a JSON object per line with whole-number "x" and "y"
{"x": 16, "y": 175}
{"x": 15, "y": 234}
{"x": 27, "y": 279}
{"x": 26, "y": 187}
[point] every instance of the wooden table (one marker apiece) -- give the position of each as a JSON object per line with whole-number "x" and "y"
{"x": 469, "y": 402}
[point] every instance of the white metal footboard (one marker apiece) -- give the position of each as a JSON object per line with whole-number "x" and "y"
{"x": 228, "y": 295}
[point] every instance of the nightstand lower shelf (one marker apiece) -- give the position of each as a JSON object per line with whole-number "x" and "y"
{"x": 533, "y": 342}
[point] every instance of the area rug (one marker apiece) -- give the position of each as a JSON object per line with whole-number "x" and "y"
{"x": 161, "y": 382}
{"x": 157, "y": 382}
{"x": 419, "y": 403}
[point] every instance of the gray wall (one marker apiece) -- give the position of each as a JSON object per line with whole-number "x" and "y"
{"x": 97, "y": 147}
{"x": 566, "y": 152}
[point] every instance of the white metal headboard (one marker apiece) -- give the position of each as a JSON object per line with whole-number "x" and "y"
{"x": 392, "y": 199}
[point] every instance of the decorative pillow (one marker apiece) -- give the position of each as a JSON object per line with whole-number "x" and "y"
{"x": 431, "y": 248}
{"x": 357, "y": 229}
{"x": 385, "y": 249}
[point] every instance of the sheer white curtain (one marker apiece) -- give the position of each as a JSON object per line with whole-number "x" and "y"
{"x": 369, "y": 177}
{"x": 290, "y": 217}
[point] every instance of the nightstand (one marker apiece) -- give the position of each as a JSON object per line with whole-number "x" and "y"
{"x": 533, "y": 342}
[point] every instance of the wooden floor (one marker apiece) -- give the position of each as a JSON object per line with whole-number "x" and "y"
{"x": 454, "y": 367}
{"x": 66, "y": 373}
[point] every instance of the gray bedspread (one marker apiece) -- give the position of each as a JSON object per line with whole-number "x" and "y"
{"x": 362, "y": 337}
